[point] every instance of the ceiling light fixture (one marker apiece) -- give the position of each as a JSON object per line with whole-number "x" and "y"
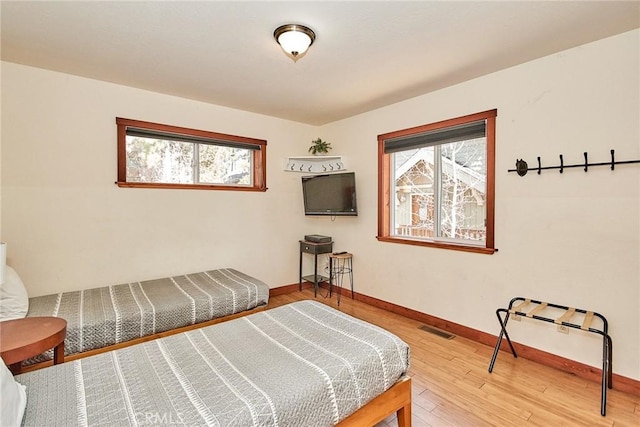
{"x": 294, "y": 39}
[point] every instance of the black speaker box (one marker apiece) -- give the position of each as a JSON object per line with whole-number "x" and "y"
{"x": 317, "y": 238}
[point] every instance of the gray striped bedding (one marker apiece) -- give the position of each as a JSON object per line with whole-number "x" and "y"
{"x": 300, "y": 365}
{"x": 109, "y": 315}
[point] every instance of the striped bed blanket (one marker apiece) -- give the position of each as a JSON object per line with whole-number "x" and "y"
{"x": 301, "y": 364}
{"x": 109, "y": 315}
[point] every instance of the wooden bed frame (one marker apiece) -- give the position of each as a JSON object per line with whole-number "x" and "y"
{"x": 397, "y": 399}
{"x": 134, "y": 341}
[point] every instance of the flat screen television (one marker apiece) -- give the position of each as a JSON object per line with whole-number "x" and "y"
{"x": 332, "y": 194}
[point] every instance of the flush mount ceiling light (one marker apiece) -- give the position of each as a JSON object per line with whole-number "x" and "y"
{"x": 294, "y": 39}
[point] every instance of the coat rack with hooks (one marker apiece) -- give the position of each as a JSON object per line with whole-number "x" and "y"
{"x": 522, "y": 168}
{"x": 315, "y": 164}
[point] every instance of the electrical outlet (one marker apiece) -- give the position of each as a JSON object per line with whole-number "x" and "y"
{"x": 563, "y": 329}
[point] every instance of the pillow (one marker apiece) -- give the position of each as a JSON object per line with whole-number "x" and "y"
{"x": 14, "y": 300}
{"x": 14, "y": 398}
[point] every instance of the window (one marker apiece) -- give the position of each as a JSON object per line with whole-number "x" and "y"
{"x": 152, "y": 155}
{"x": 436, "y": 184}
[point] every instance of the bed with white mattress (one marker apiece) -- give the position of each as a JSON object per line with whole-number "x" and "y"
{"x": 301, "y": 364}
{"x": 101, "y": 318}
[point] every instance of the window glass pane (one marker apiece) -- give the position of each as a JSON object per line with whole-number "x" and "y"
{"x": 463, "y": 190}
{"x": 440, "y": 191}
{"x": 153, "y": 155}
{"x": 153, "y": 160}
{"x": 413, "y": 188}
{"x": 225, "y": 165}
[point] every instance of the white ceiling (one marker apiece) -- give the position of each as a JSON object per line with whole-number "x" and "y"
{"x": 366, "y": 55}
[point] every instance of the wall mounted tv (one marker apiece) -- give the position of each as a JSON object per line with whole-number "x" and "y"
{"x": 332, "y": 194}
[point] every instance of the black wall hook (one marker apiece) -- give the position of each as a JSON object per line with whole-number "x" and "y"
{"x": 586, "y": 162}
{"x": 561, "y": 164}
{"x": 613, "y": 162}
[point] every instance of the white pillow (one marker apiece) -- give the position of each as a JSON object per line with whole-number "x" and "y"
{"x": 14, "y": 399}
{"x": 14, "y": 300}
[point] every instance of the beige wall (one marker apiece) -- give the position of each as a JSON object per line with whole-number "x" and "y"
{"x": 573, "y": 238}
{"x": 69, "y": 227}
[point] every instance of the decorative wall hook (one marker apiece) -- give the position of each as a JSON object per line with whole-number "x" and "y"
{"x": 522, "y": 168}
{"x": 561, "y": 164}
{"x": 613, "y": 162}
{"x": 586, "y": 162}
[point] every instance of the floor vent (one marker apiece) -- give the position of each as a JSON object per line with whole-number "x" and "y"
{"x": 437, "y": 332}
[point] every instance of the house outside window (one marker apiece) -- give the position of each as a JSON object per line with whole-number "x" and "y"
{"x": 436, "y": 184}
{"x": 152, "y": 155}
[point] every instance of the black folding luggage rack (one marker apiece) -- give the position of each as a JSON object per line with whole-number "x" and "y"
{"x": 607, "y": 345}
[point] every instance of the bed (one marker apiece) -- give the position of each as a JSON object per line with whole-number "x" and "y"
{"x": 110, "y": 317}
{"x": 301, "y": 364}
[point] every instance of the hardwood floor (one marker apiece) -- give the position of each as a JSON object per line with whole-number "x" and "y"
{"x": 452, "y": 387}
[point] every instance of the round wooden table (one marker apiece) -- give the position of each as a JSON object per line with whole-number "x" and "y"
{"x": 21, "y": 339}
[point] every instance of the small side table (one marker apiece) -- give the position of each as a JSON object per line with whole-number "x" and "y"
{"x": 315, "y": 249}
{"x": 21, "y": 339}
{"x": 339, "y": 266}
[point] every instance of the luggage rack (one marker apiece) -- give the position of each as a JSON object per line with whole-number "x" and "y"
{"x": 564, "y": 320}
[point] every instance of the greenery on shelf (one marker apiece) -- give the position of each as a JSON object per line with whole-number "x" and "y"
{"x": 318, "y": 146}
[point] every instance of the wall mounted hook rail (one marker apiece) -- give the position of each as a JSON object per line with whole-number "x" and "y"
{"x": 522, "y": 168}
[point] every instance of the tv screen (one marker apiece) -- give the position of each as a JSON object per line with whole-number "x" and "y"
{"x": 333, "y": 194}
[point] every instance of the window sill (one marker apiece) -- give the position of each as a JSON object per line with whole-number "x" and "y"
{"x": 464, "y": 248}
{"x": 187, "y": 186}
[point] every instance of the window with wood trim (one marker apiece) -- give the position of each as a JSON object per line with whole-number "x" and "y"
{"x": 153, "y": 155}
{"x": 436, "y": 184}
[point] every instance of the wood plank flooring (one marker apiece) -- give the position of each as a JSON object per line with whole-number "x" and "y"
{"x": 452, "y": 387}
